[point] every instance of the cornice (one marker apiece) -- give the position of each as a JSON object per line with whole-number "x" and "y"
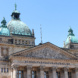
{"x": 39, "y": 59}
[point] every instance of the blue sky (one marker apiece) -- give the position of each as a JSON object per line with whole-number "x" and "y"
{"x": 55, "y": 16}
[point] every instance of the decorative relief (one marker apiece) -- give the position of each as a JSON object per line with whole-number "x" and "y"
{"x": 4, "y": 51}
{"x": 46, "y": 53}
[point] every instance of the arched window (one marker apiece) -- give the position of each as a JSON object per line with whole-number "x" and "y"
{"x": 34, "y": 74}
{"x": 46, "y": 74}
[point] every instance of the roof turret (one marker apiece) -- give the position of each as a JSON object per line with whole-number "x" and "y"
{"x": 3, "y": 29}
{"x": 71, "y": 37}
{"x": 70, "y": 32}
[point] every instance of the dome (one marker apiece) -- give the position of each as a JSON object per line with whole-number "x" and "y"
{"x": 18, "y": 27}
{"x": 71, "y": 37}
{"x": 3, "y": 29}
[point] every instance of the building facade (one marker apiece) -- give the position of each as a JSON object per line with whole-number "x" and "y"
{"x": 21, "y": 58}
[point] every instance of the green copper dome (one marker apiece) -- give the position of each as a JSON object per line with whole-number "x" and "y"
{"x": 16, "y": 26}
{"x": 3, "y": 29}
{"x": 71, "y": 37}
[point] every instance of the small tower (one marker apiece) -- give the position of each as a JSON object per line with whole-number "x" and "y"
{"x": 3, "y": 29}
{"x": 71, "y": 39}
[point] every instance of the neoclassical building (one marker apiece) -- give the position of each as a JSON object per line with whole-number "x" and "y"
{"x": 21, "y": 58}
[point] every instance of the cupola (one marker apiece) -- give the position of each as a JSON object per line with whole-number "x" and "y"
{"x": 3, "y": 29}
{"x": 16, "y": 26}
{"x": 71, "y": 39}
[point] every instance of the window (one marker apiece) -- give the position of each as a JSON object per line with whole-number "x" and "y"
{"x": 7, "y": 70}
{"x": 46, "y": 74}
{"x": 34, "y": 74}
{"x": 20, "y": 74}
{"x": 25, "y": 42}
{"x": 15, "y": 41}
{"x": 19, "y": 41}
{"x": 69, "y": 75}
{"x": 4, "y": 70}
{"x": 0, "y": 39}
{"x": 58, "y": 74}
{"x": 22, "y": 41}
{"x": 1, "y": 70}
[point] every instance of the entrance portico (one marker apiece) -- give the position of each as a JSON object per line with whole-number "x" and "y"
{"x": 43, "y": 72}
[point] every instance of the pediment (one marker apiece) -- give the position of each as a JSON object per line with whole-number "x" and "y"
{"x": 48, "y": 51}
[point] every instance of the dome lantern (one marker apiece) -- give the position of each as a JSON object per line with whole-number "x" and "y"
{"x": 15, "y": 14}
{"x": 3, "y": 22}
{"x": 70, "y": 32}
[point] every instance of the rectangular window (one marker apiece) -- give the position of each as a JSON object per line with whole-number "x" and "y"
{"x": 20, "y": 74}
{"x": 58, "y": 74}
{"x": 69, "y": 75}
{"x": 7, "y": 70}
{"x": 15, "y": 41}
{"x": 4, "y": 70}
{"x": 0, "y": 39}
{"x": 1, "y": 70}
{"x": 22, "y": 41}
{"x": 33, "y": 74}
{"x": 46, "y": 74}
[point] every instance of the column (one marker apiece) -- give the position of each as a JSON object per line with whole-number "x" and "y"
{"x": 50, "y": 73}
{"x": 38, "y": 74}
{"x": 11, "y": 72}
{"x": 41, "y": 71}
{"x": 76, "y": 72}
{"x": 54, "y": 75}
{"x": 29, "y": 71}
{"x": 66, "y": 72}
{"x": 14, "y": 72}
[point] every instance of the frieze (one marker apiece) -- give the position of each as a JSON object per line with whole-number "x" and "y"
{"x": 47, "y": 62}
{"x": 41, "y": 62}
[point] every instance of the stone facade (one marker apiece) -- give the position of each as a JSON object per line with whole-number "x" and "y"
{"x": 21, "y": 58}
{"x": 46, "y": 60}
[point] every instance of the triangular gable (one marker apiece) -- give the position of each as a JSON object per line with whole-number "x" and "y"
{"x": 46, "y": 50}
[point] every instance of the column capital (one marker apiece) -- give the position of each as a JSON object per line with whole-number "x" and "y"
{"x": 66, "y": 68}
{"x": 14, "y": 66}
{"x": 54, "y": 68}
{"x": 42, "y": 67}
{"x": 29, "y": 66}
